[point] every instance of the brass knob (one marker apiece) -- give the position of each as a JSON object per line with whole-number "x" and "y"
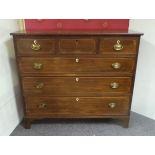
{"x": 77, "y": 79}
{"x": 77, "y": 60}
{"x": 39, "y": 85}
{"x": 114, "y": 85}
{"x": 112, "y": 105}
{"x": 37, "y": 66}
{"x": 42, "y": 105}
{"x": 118, "y": 46}
{"x": 116, "y": 65}
{"x": 77, "y": 99}
{"x": 35, "y": 46}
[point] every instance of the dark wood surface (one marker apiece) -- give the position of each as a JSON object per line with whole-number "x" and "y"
{"x": 24, "y": 46}
{"x": 68, "y": 86}
{"x": 70, "y": 74}
{"x": 59, "y": 65}
{"x": 129, "y": 44}
{"x": 77, "y": 105}
{"x": 77, "y": 46}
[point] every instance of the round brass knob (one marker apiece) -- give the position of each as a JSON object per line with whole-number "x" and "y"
{"x": 118, "y": 46}
{"x": 77, "y": 99}
{"x": 116, "y": 65}
{"x": 114, "y": 85}
{"x": 77, "y": 79}
{"x": 77, "y": 60}
{"x": 112, "y": 105}
{"x": 42, "y": 105}
{"x": 35, "y": 46}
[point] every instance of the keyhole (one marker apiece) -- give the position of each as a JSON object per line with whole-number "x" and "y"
{"x": 76, "y": 41}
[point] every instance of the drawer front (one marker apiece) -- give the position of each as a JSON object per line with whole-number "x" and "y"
{"x": 77, "y": 46}
{"x": 119, "y": 45}
{"x": 76, "y": 65}
{"x": 76, "y": 86}
{"x": 30, "y": 46}
{"x": 77, "y": 105}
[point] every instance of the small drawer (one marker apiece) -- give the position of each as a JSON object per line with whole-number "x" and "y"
{"x": 77, "y": 46}
{"x": 76, "y": 86}
{"x": 35, "y": 46}
{"x": 118, "y": 45}
{"x": 77, "y": 105}
{"x": 76, "y": 65}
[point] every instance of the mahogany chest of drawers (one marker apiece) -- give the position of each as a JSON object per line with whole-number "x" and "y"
{"x": 76, "y": 74}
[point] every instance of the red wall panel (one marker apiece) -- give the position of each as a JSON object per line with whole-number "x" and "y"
{"x": 77, "y": 24}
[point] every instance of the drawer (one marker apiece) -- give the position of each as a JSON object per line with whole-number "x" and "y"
{"x": 76, "y": 86}
{"x": 76, "y": 65}
{"x": 32, "y": 46}
{"x": 119, "y": 45}
{"x": 77, "y": 46}
{"x": 77, "y": 105}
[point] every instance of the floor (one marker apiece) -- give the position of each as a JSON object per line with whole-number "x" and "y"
{"x": 139, "y": 126}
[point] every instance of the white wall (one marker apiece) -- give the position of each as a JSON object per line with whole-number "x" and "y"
{"x": 10, "y": 106}
{"x": 144, "y": 91}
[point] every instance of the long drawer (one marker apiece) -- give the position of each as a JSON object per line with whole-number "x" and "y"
{"x": 76, "y": 86}
{"x": 77, "y": 105}
{"x": 76, "y": 65}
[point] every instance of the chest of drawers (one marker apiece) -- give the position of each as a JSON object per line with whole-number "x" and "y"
{"x": 76, "y": 74}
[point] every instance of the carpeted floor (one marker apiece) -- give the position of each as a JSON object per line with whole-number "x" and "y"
{"x": 139, "y": 126}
